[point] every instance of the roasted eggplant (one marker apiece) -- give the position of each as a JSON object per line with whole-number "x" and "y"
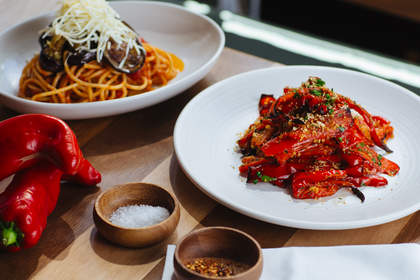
{"x": 116, "y": 53}
{"x": 80, "y": 57}
{"x": 52, "y": 49}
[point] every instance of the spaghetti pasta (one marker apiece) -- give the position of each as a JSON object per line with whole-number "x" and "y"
{"x": 94, "y": 81}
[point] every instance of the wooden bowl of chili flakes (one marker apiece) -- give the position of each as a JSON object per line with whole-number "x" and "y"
{"x": 218, "y": 253}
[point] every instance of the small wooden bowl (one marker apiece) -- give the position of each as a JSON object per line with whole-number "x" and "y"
{"x": 218, "y": 242}
{"x": 129, "y": 194}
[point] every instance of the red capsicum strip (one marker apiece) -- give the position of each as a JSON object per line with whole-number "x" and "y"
{"x": 370, "y": 122}
{"x": 264, "y": 105}
{"x": 324, "y": 183}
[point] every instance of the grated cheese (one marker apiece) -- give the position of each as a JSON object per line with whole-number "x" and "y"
{"x": 82, "y": 22}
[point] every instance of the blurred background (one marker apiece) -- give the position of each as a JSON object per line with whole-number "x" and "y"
{"x": 389, "y": 27}
{"x": 379, "y": 37}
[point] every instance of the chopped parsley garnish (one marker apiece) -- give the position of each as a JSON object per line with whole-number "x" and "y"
{"x": 341, "y": 128}
{"x": 316, "y": 92}
{"x": 255, "y": 181}
{"x": 320, "y": 82}
{"x": 340, "y": 139}
{"x": 330, "y": 100}
{"x": 296, "y": 95}
{"x": 266, "y": 178}
{"x": 379, "y": 159}
{"x": 330, "y": 111}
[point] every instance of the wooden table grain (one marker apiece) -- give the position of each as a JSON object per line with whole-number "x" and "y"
{"x": 138, "y": 147}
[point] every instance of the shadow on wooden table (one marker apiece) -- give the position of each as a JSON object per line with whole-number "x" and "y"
{"x": 194, "y": 201}
{"x": 6, "y": 113}
{"x": 55, "y": 240}
{"x": 117, "y": 254}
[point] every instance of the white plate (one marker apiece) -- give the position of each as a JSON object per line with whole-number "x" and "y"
{"x": 195, "y": 38}
{"x": 208, "y": 127}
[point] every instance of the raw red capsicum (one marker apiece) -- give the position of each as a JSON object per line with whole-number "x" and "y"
{"x": 27, "y": 139}
{"x": 26, "y": 204}
{"x": 24, "y": 138}
{"x": 41, "y": 150}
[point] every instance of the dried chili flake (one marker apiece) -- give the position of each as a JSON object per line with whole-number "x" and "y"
{"x": 216, "y": 267}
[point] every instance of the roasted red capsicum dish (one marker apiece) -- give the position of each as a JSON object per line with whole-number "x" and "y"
{"x": 315, "y": 141}
{"x": 40, "y": 151}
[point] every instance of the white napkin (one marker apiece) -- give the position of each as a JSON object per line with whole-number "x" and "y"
{"x": 370, "y": 262}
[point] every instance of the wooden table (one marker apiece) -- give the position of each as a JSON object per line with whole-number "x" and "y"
{"x": 138, "y": 147}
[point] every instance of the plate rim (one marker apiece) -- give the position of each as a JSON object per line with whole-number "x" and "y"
{"x": 269, "y": 218}
{"x": 183, "y": 84}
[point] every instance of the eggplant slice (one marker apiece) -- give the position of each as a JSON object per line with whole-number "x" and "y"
{"x": 115, "y": 54}
{"x": 52, "y": 49}
{"x": 80, "y": 57}
{"x": 52, "y": 53}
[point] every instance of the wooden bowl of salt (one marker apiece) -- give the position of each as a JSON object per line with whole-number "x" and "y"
{"x": 136, "y": 214}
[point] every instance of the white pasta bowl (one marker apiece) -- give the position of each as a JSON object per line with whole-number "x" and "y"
{"x": 194, "y": 38}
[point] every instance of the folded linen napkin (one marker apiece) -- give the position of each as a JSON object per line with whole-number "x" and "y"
{"x": 370, "y": 262}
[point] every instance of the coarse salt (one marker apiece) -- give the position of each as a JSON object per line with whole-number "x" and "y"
{"x": 135, "y": 216}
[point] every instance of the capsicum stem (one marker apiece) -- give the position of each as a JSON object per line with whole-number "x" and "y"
{"x": 9, "y": 235}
